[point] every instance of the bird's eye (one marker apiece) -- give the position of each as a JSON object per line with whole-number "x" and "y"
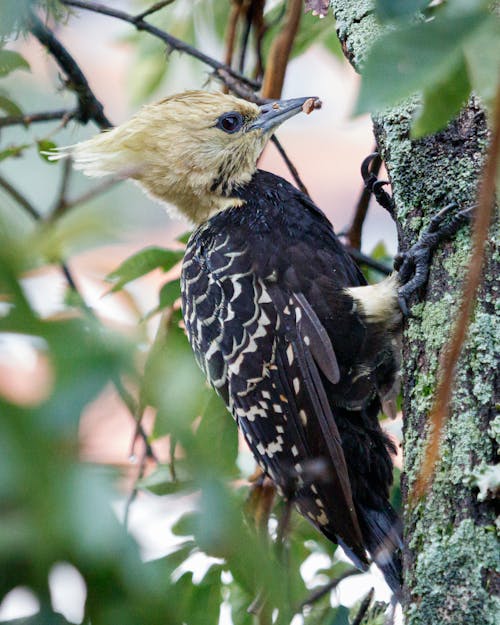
{"x": 230, "y": 122}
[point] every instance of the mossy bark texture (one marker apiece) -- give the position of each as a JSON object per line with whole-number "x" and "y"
{"x": 452, "y": 553}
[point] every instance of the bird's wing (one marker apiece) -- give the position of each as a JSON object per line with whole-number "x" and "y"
{"x": 288, "y": 422}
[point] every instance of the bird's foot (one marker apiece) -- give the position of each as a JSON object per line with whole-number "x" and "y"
{"x": 376, "y": 186}
{"x": 414, "y": 264}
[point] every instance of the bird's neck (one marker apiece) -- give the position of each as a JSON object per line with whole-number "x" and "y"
{"x": 196, "y": 195}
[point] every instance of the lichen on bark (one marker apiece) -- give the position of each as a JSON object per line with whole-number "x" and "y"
{"x": 452, "y": 555}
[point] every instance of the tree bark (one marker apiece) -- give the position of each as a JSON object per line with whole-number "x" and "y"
{"x": 451, "y": 554}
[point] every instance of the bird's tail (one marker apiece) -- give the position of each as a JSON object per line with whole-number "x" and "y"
{"x": 382, "y": 532}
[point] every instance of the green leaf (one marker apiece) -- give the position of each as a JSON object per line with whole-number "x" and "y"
{"x": 14, "y": 15}
{"x": 169, "y": 293}
{"x": 160, "y": 482}
{"x": 341, "y": 616}
{"x": 174, "y": 384}
{"x": 314, "y": 31}
{"x": 142, "y": 263}
{"x": 8, "y": 105}
{"x": 414, "y": 58}
{"x": 482, "y": 56}
{"x": 44, "y": 145}
{"x": 442, "y": 102}
{"x": 10, "y": 61}
{"x": 186, "y": 524}
{"x": 199, "y": 604}
{"x": 13, "y": 151}
{"x": 217, "y": 433}
{"x": 184, "y": 238}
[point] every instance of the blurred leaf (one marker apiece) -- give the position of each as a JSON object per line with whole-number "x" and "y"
{"x": 341, "y": 616}
{"x": 186, "y": 524}
{"x": 218, "y": 434}
{"x": 14, "y": 14}
{"x": 415, "y": 57}
{"x": 314, "y": 31}
{"x": 173, "y": 383}
{"x": 10, "y": 61}
{"x": 83, "y": 227}
{"x": 160, "y": 482}
{"x": 381, "y": 254}
{"x": 482, "y": 56}
{"x": 201, "y": 601}
{"x": 8, "y": 105}
{"x": 13, "y": 151}
{"x": 143, "y": 262}
{"x": 396, "y": 9}
{"x": 184, "y": 238}
{"x": 148, "y": 70}
{"x": 396, "y": 496}
{"x": 45, "y": 145}
{"x": 442, "y": 102}
{"x": 239, "y": 601}
{"x": 169, "y": 293}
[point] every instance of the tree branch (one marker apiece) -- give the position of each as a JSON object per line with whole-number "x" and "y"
{"x": 363, "y": 259}
{"x": 157, "y": 6}
{"x": 279, "y": 54}
{"x": 20, "y": 198}
{"x": 172, "y": 42}
{"x": 363, "y": 608}
{"x": 89, "y": 107}
{"x": 316, "y": 595}
{"x": 31, "y": 118}
{"x": 482, "y": 220}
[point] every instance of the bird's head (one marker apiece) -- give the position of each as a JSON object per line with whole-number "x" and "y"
{"x": 190, "y": 150}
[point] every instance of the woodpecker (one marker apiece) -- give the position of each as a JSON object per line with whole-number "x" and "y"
{"x": 280, "y": 318}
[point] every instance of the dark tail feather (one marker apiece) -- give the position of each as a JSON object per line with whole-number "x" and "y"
{"x": 382, "y": 532}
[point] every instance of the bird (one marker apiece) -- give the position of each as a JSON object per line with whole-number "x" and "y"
{"x": 280, "y": 318}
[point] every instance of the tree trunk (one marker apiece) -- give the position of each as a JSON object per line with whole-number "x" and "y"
{"x": 451, "y": 555}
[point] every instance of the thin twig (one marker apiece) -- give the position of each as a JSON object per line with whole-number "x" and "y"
{"x": 134, "y": 492}
{"x": 157, "y": 6}
{"x": 363, "y": 259}
{"x": 321, "y": 592}
{"x": 99, "y": 189}
{"x": 31, "y": 118}
{"x": 363, "y": 608}
{"x": 89, "y": 107}
{"x": 482, "y": 220}
{"x": 20, "y": 198}
{"x": 245, "y": 36}
{"x": 356, "y": 227}
{"x": 290, "y": 165}
{"x": 170, "y": 40}
{"x": 60, "y": 205}
{"x": 133, "y": 408}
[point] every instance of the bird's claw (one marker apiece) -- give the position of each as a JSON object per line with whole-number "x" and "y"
{"x": 376, "y": 186}
{"x": 413, "y": 265}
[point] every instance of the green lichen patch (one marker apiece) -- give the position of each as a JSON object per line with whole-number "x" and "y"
{"x": 449, "y": 577}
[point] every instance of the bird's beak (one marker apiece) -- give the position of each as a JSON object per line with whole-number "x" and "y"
{"x": 272, "y": 114}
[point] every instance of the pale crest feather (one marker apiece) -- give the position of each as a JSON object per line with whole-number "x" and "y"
{"x": 174, "y": 150}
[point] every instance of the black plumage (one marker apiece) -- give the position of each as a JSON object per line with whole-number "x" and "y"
{"x": 298, "y": 364}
